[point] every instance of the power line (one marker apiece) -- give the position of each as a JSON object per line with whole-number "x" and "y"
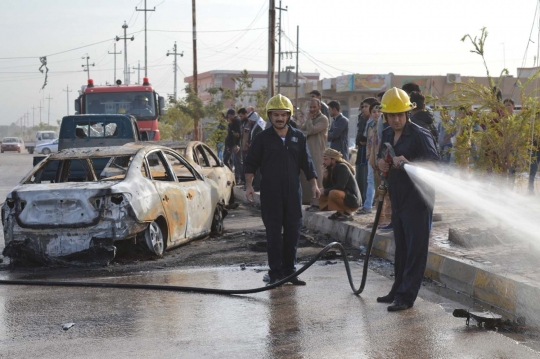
{"x": 187, "y": 31}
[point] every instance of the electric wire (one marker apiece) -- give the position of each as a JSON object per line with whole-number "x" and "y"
{"x": 527, "y": 48}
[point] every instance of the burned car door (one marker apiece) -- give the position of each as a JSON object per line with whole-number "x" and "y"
{"x": 198, "y": 195}
{"x": 172, "y": 195}
{"x": 221, "y": 174}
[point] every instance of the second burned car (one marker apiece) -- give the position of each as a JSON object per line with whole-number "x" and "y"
{"x": 80, "y": 202}
{"x": 204, "y": 159}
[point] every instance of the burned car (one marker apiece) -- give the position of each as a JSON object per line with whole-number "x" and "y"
{"x": 77, "y": 203}
{"x": 204, "y": 159}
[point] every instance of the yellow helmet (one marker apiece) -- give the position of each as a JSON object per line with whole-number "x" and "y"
{"x": 122, "y": 110}
{"x": 396, "y": 101}
{"x": 279, "y": 103}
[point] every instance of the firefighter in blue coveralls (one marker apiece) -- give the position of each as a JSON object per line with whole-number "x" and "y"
{"x": 280, "y": 152}
{"x": 411, "y": 212}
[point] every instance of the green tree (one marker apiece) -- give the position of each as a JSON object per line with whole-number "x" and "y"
{"x": 215, "y": 111}
{"x": 243, "y": 82}
{"x": 176, "y": 124}
{"x": 489, "y": 137}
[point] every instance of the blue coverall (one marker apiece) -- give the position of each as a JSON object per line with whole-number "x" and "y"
{"x": 281, "y": 196}
{"x": 411, "y": 212}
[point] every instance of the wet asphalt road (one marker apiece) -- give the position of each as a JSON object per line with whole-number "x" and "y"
{"x": 322, "y": 320}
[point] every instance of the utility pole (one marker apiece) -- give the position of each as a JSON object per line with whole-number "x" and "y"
{"x": 125, "y": 38}
{"x": 195, "y": 84}
{"x": 67, "y": 91}
{"x": 129, "y": 72}
{"x": 279, "y": 47}
{"x": 33, "y": 123}
{"x": 49, "y": 112}
{"x": 40, "y": 107}
{"x": 296, "y": 78}
{"x": 139, "y": 69}
{"x": 271, "y": 47}
{"x": 145, "y": 50}
{"x": 115, "y": 53}
{"x": 87, "y": 64}
{"x": 175, "y": 53}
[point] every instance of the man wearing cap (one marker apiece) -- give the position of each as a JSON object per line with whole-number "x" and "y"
{"x": 412, "y": 206}
{"x": 280, "y": 152}
{"x": 232, "y": 144}
{"x": 341, "y": 193}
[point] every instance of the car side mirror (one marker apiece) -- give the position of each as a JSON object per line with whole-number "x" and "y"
{"x": 161, "y": 103}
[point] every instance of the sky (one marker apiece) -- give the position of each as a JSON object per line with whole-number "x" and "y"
{"x": 412, "y": 37}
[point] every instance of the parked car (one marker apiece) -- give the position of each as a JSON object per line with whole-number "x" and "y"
{"x": 11, "y": 144}
{"x": 203, "y": 158}
{"x": 47, "y": 148}
{"x": 40, "y": 138}
{"x": 66, "y": 210}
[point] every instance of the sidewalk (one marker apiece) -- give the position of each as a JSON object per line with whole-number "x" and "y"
{"x": 504, "y": 275}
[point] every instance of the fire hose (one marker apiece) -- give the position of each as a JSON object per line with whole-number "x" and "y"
{"x": 381, "y": 191}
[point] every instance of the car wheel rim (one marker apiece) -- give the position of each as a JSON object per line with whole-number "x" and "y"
{"x": 155, "y": 238}
{"x": 46, "y": 151}
{"x": 218, "y": 221}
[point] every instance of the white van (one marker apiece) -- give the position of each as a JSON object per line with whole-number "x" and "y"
{"x": 45, "y": 137}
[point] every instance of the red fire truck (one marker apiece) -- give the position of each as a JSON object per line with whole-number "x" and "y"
{"x": 140, "y": 101}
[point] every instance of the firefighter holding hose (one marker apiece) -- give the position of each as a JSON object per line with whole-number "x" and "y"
{"x": 412, "y": 206}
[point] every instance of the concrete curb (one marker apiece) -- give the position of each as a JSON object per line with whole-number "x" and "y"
{"x": 517, "y": 297}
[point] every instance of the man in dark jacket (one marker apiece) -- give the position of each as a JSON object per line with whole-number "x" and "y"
{"x": 412, "y": 206}
{"x": 341, "y": 192}
{"x": 232, "y": 145}
{"x": 324, "y": 107}
{"x": 361, "y": 142}
{"x": 280, "y": 152}
{"x": 422, "y": 117}
{"x": 338, "y": 134}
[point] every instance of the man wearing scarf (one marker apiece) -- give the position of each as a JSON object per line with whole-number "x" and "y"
{"x": 341, "y": 193}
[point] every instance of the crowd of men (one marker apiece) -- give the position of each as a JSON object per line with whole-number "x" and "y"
{"x": 297, "y": 160}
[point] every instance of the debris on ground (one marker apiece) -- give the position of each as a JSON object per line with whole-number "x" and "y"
{"x": 67, "y": 326}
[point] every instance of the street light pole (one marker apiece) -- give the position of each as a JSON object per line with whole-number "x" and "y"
{"x": 145, "y": 48}
{"x": 271, "y": 47}
{"x": 279, "y": 47}
{"x": 175, "y": 53}
{"x": 115, "y": 53}
{"x": 87, "y": 64}
{"x": 125, "y": 38}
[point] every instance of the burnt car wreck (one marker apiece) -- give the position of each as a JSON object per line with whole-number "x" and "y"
{"x": 77, "y": 204}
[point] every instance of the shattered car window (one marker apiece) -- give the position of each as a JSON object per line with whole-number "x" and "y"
{"x": 158, "y": 169}
{"x": 201, "y": 157}
{"x": 47, "y": 173}
{"x": 60, "y": 171}
{"x": 180, "y": 170}
{"x": 212, "y": 159}
{"x": 97, "y": 129}
{"x": 116, "y": 169}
